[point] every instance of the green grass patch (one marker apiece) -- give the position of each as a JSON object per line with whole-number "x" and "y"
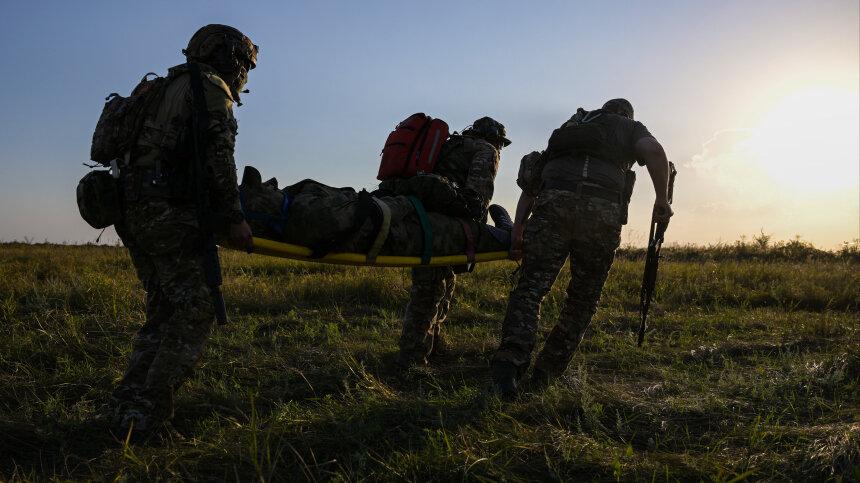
{"x": 750, "y": 371}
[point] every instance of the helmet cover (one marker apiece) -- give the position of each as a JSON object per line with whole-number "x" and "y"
{"x": 227, "y": 50}
{"x": 491, "y": 130}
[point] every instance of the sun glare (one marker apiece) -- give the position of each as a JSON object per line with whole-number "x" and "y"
{"x": 811, "y": 140}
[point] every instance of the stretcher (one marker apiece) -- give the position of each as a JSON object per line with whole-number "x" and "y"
{"x": 263, "y": 246}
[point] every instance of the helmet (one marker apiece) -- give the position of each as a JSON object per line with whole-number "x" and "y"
{"x": 619, "y": 106}
{"x": 227, "y": 50}
{"x": 491, "y": 130}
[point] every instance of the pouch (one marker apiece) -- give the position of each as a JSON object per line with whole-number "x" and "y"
{"x": 629, "y": 181}
{"x": 99, "y": 199}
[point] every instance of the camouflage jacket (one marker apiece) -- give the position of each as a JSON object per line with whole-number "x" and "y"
{"x": 471, "y": 163}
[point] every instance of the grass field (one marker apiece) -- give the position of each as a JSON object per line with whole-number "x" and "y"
{"x": 750, "y": 371}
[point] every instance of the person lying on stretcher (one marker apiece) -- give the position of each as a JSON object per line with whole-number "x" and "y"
{"x": 397, "y": 222}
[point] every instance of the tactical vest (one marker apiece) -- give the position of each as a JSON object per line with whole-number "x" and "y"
{"x": 162, "y": 138}
{"x": 161, "y": 158}
{"x": 594, "y": 143}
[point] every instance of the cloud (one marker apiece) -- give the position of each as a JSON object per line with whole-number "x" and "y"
{"x": 725, "y": 155}
{"x": 723, "y": 208}
{"x": 732, "y": 170}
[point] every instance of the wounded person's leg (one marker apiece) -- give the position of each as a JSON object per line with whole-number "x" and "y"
{"x": 327, "y": 219}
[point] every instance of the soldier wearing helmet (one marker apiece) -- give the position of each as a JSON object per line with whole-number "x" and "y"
{"x": 227, "y": 51}
{"x": 470, "y": 161}
{"x": 576, "y": 192}
{"x": 160, "y": 223}
{"x": 621, "y": 107}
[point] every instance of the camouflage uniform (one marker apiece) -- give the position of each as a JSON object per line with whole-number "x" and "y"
{"x": 471, "y": 163}
{"x": 163, "y": 238}
{"x": 562, "y": 224}
{"x": 316, "y": 214}
{"x": 580, "y": 207}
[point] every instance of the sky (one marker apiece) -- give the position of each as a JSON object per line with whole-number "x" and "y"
{"x": 756, "y": 103}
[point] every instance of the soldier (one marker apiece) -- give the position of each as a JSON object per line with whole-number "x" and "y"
{"x": 340, "y": 220}
{"x": 470, "y": 161}
{"x": 160, "y": 225}
{"x": 580, "y": 203}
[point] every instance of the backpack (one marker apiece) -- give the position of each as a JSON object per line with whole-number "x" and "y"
{"x": 116, "y": 133}
{"x": 413, "y": 147}
{"x": 122, "y": 118}
{"x": 529, "y": 175}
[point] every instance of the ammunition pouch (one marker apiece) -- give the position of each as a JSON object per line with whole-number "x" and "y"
{"x": 529, "y": 175}
{"x": 475, "y": 204}
{"x": 629, "y": 181}
{"x": 99, "y": 200}
{"x": 161, "y": 136}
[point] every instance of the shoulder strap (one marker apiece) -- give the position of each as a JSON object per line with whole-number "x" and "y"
{"x": 149, "y": 108}
{"x": 468, "y": 144}
{"x": 202, "y": 113}
{"x": 591, "y": 115}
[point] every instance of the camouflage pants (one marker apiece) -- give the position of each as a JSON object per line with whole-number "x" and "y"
{"x": 562, "y": 225}
{"x": 163, "y": 242}
{"x": 429, "y": 300}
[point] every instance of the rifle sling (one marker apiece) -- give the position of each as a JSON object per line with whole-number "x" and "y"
{"x": 209, "y": 250}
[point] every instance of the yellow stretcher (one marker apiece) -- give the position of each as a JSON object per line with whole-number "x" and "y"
{"x": 273, "y": 248}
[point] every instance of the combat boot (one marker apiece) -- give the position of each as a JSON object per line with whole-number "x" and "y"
{"x": 539, "y": 380}
{"x": 131, "y": 428}
{"x": 406, "y": 361}
{"x": 501, "y": 218}
{"x": 441, "y": 344}
{"x": 504, "y": 382}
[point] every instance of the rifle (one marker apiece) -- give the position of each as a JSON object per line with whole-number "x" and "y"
{"x": 201, "y": 175}
{"x": 652, "y": 259}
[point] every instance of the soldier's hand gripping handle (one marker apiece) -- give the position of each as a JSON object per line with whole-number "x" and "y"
{"x": 662, "y": 213}
{"x": 241, "y": 236}
{"x": 663, "y": 209}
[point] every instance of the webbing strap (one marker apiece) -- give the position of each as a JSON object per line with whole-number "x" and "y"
{"x": 382, "y": 233}
{"x": 425, "y": 227}
{"x": 276, "y": 223}
{"x": 470, "y": 240}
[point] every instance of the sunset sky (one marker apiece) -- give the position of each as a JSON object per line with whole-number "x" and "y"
{"x": 756, "y": 102}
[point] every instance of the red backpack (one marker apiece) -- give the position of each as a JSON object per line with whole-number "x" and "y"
{"x": 413, "y": 147}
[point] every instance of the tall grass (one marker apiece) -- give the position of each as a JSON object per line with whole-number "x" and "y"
{"x": 751, "y": 370}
